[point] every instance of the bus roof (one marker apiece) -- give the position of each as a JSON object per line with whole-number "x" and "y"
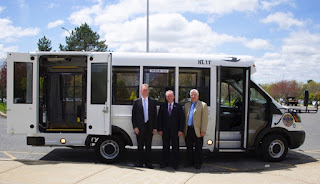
{"x": 166, "y": 59}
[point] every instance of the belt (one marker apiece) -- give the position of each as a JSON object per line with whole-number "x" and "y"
{"x": 191, "y": 126}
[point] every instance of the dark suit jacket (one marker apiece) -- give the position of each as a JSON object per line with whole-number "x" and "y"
{"x": 174, "y": 122}
{"x": 138, "y": 116}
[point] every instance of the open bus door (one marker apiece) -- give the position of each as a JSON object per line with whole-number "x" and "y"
{"x": 232, "y": 108}
{"x": 22, "y": 91}
{"x": 99, "y": 94}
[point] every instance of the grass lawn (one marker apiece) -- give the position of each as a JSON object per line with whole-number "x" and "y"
{"x": 3, "y": 107}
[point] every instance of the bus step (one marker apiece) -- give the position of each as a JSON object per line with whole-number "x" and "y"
{"x": 230, "y": 135}
{"x": 231, "y": 150}
{"x": 232, "y": 144}
{"x": 65, "y": 130}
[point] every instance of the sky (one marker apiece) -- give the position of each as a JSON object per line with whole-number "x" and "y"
{"x": 283, "y": 36}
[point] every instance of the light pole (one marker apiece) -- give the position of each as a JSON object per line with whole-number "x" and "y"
{"x": 147, "y": 25}
{"x": 66, "y": 30}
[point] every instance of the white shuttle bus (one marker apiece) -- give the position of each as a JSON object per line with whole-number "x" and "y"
{"x": 84, "y": 99}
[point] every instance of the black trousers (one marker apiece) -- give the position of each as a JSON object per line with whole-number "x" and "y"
{"x": 144, "y": 139}
{"x": 194, "y": 147}
{"x": 170, "y": 135}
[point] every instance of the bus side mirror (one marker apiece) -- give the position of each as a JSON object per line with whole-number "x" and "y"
{"x": 306, "y": 98}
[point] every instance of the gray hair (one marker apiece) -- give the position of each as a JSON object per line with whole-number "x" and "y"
{"x": 169, "y": 91}
{"x": 194, "y": 91}
{"x": 145, "y": 85}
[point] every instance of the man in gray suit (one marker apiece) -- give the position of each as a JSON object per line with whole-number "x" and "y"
{"x": 196, "y": 113}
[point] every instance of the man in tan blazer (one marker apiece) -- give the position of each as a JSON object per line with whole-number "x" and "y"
{"x": 196, "y": 113}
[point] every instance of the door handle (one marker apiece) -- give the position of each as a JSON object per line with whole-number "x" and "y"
{"x": 105, "y": 109}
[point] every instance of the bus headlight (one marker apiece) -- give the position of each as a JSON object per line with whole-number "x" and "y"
{"x": 63, "y": 140}
{"x": 209, "y": 142}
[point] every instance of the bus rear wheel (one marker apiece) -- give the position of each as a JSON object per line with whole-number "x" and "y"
{"x": 109, "y": 149}
{"x": 274, "y": 148}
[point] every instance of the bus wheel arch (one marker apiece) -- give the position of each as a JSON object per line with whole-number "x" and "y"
{"x": 122, "y": 134}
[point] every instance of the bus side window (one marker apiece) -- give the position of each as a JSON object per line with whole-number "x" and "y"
{"x": 258, "y": 117}
{"x": 125, "y": 85}
{"x": 194, "y": 78}
{"x": 99, "y": 73}
{"x": 159, "y": 79}
{"x": 23, "y": 83}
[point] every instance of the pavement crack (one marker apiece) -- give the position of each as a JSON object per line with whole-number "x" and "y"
{"x": 189, "y": 178}
{"x": 10, "y": 169}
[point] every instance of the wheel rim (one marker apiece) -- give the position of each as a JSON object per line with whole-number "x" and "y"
{"x": 109, "y": 149}
{"x": 276, "y": 148}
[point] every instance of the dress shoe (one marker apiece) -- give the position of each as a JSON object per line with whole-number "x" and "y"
{"x": 163, "y": 165}
{"x": 175, "y": 166}
{"x": 149, "y": 165}
{"x": 197, "y": 166}
{"x": 140, "y": 164}
{"x": 188, "y": 164}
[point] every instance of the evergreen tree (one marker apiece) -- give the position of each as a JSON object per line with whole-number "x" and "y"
{"x": 83, "y": 39}
{"x": 44, "y": 44}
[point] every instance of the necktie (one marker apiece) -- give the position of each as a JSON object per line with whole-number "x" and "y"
{"x": 145, "y": 110}
{"x": 190, "y": 119}
{"x": 170, "y": 110}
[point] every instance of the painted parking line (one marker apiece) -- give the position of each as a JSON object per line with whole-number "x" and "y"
{"x": 9, "y": 155}
{"x": 222, "y": 167}
{"x": 312, "y": 151}
{"x": 21, "y": 152}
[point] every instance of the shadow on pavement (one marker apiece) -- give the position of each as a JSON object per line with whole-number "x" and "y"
{"x": 212, "y": 162}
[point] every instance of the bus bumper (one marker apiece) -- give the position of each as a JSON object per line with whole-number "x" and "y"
{"x": 296, "y": 138}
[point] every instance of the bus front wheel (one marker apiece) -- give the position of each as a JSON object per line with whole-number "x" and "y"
{"x": 274, "y": 148}
{"x": 109, "y": 149}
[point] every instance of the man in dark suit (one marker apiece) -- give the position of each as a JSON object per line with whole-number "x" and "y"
{"x": 144, "y": 115}
{"x": 170, "y": 127}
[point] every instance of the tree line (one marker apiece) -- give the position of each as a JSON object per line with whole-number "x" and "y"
{"x": 82, "y": 38}
{"x": 285, "y": 89}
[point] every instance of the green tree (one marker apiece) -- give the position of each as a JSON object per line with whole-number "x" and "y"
{"x": 311, "y": 86}
{"x": 3, "y": 81}
{"x": 83, "y": 39}
{"x": 44, "y": 44}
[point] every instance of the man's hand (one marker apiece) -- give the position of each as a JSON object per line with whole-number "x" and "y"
{"x": 160, "y": 133}
{"x": 154, "y": 131}
{"x": 202, "y": 134}
{"x": 136, "y": 131}
{"x": 180, "y": 133}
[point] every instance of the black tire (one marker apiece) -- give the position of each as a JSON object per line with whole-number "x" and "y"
{"x": 274, "y": 148}
{"x": 109, "y": 149}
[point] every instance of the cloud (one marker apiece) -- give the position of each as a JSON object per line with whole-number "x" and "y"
{"x": 266, "y": 5}
{"x": 10, "y": 32}
{"x": 257, "y": 44}
{"x": 123, "y": 25}
{"x": 284, "y": 20}
{"x": 55, "y": 24}
{"x": 53, "y": 5}
{"x": 4, "y": 50}
{"x": 170, "y": 32}
{"x": 22, "y": 4}
{"x": 130, "y": 9}
{"x": 298, "y": 59}
{"x": 2, "y": 8}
